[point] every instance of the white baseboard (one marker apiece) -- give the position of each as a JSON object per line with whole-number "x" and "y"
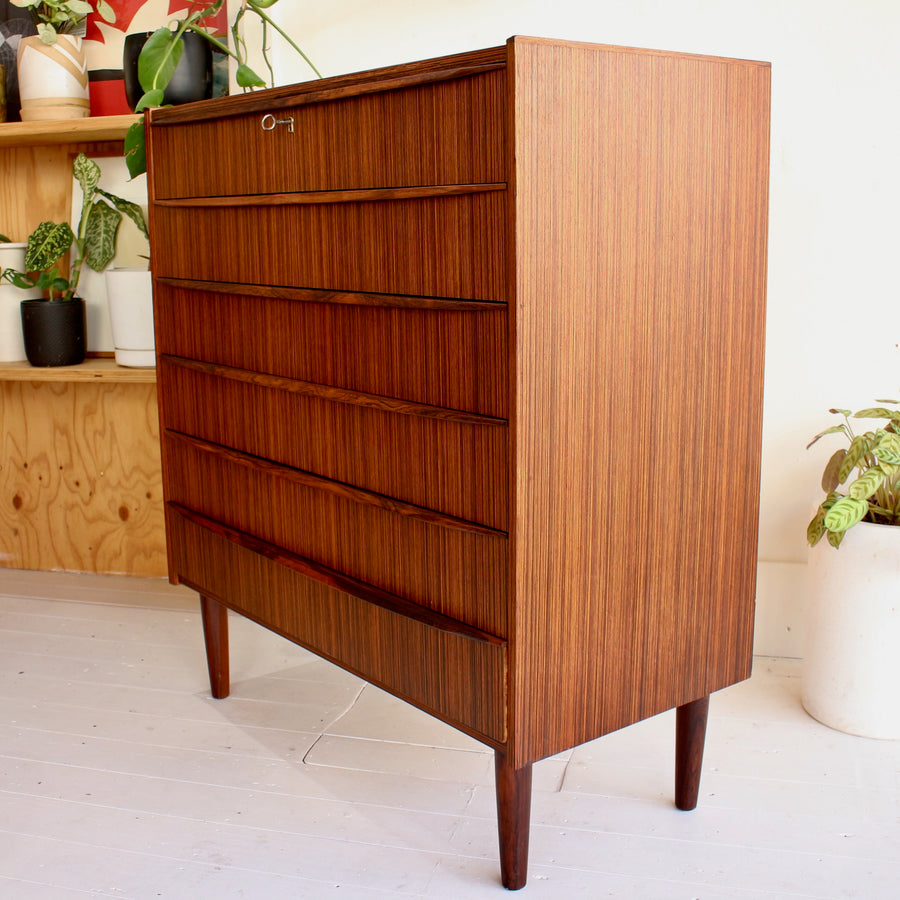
{"x": 780, "y": 601}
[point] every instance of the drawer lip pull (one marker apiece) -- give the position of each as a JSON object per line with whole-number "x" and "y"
{"x": 337, "y": 580}
{"x": 345, "y": 298}
{"x": 338, "y": 488}
{"x": 357, "y": 195}
{"x": 334, "y": 394}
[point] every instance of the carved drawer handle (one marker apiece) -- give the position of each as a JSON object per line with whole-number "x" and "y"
{"x": 269, "y": 122}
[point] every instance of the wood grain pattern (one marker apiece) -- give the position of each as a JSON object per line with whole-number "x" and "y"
{"x": 450, "y": 358}
{"x": 638, "y": 400}
{"x": 80, "y": 482}
{"x": 438, "y": 133}
{"x": 459, "y": 680}
{"x": 441, "y": 246}
{"x": 453, "y": 467}
{"x": 421, "y": 561}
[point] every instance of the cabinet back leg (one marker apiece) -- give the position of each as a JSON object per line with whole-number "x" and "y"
{"x": 513, "y": 820}
{"x": 215, "y": 633}
{"x": 690, "y": 735}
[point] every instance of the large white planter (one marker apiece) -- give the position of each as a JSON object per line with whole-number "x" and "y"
{"x": 53, "y": 78}
{"x": 130, "y": 296}
{"x": 12, "y": 348}
{"x": 851, "y": 669}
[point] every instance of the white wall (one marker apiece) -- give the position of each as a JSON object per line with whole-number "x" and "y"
{"x": 833, "y": 311}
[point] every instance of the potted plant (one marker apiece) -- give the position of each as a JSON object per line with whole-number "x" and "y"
{"x": 52, "y": 70}
{"x": 54, "y": 328}
{"x": 162, "y": 51}
{"x": 851, "y": 664}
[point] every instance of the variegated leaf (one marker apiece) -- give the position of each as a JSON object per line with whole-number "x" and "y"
{"x": 859, "y": 447}
{"x": 867, "y": 484}
{"x": 46, "y": 244}
{"x": 816, "y": 528}
{"x": 88, "y": 174}
{"x": 845, "y": 514}
{"x": 100, "y": 237}
{"x": 888, "y": 447}
{"x": 877, "y": 412}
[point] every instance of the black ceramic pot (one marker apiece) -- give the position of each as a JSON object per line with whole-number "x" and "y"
{"x": 193, "y": 78}
{"x": 54, "y": 332}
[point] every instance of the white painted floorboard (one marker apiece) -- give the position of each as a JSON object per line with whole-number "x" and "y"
{"x": 120, "y": 777}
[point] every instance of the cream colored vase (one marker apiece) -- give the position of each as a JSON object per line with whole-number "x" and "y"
{"x": 12, "y": 348}
{"x": 851, "y": 668}
{"x": 53, "y": 79}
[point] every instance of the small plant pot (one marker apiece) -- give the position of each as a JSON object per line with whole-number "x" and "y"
{"x": 53, "y": 79}
{"x": 54, "y": 332}
{"x": 193, "y": 78}
{"x": 130, "y": 296}
{"x": 12, "y": 256}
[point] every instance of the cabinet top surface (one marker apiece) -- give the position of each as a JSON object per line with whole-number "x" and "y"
{"x": 388, "y": 77}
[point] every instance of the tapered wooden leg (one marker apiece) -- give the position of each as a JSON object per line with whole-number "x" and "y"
{"x": 690, "y": 734}
{"x": 513, "y": 820}
{"x": 215, "y": 632}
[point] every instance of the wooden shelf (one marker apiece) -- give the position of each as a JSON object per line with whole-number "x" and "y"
{"x": 65, "y": 131}
{"x": 91, "y": 370}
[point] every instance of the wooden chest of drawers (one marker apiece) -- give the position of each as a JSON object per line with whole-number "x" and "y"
{"x": 460, "y": 370}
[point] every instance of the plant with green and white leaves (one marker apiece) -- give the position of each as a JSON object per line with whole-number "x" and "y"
{"x": 94, "y": 242}
{"x": 874, "y": 493}
{"x": 53, "y": 17}
{"x": 160, "y": 55}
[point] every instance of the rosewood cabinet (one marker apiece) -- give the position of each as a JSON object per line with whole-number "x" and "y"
{"x": 460, "y": 369}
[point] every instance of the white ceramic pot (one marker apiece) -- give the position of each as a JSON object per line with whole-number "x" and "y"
{"x": 12, "y": 348}
{"x": 53, "y": 78}
{"x": 851, "y": 669}
{"x": 130, "y": 296}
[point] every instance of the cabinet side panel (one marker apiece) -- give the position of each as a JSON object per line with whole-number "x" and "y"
{"x": 641, "y": 210}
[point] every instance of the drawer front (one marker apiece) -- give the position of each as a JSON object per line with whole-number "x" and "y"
{"x": 456, "y": 572}
{"x": 456, "y": 678}
{"x": 436, "y": 246}
{"x": 448, "y": 132}
{"x": 454, "y": 358}
{"x": 456, "y": 468}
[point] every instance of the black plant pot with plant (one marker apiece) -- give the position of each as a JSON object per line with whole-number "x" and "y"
{"x": 191, "y": 80}
{"x": 55, "y": 334}
{"x": 54, "y": 328}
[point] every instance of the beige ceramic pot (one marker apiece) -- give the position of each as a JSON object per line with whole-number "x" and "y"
{"x": 53, "y": 79}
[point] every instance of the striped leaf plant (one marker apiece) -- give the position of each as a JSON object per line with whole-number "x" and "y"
{"x": 862, "y": 480}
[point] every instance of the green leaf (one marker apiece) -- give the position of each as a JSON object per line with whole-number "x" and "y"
{"x": 866, "y": 484}
{"x": 47, "y": 33}
{"x": 19, "y": 279}
{"x": 79, "y": 8}
{"x": 842, "y": 412}
{"x": 877, "y": 412}
{"x": 87, "y": 172}
{"x": 833, "y": 430}
{"x": 100, "y": 237}
{"x": 158, "y": 60}
{"x": 835, "y": 538}
{"x": 845, "y": 514}
{"x": 46, "y": 244}
{"x": 135, "y": 150}
{"x": 105, "y": 11}
{"x": 246, "y": 77}
{"x": 816, "y": 528}
{"x": 888, "y": 447}
{"x": 830, "y": 477}
{"x": 132, "y": 210}
{"x": 859, "y": 447}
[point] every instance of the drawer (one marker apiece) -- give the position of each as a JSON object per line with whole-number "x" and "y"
{"x": 454, "y": 676}
{"x": 454, "y": 357}
{"x": 442, "y": 245}
{"x": 459, "y": 571}
{"x": 446, "y": 132}
{"x": 454, "y": 467}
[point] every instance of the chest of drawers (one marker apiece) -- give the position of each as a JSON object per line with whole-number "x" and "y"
{"x": 460, "y": 371}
